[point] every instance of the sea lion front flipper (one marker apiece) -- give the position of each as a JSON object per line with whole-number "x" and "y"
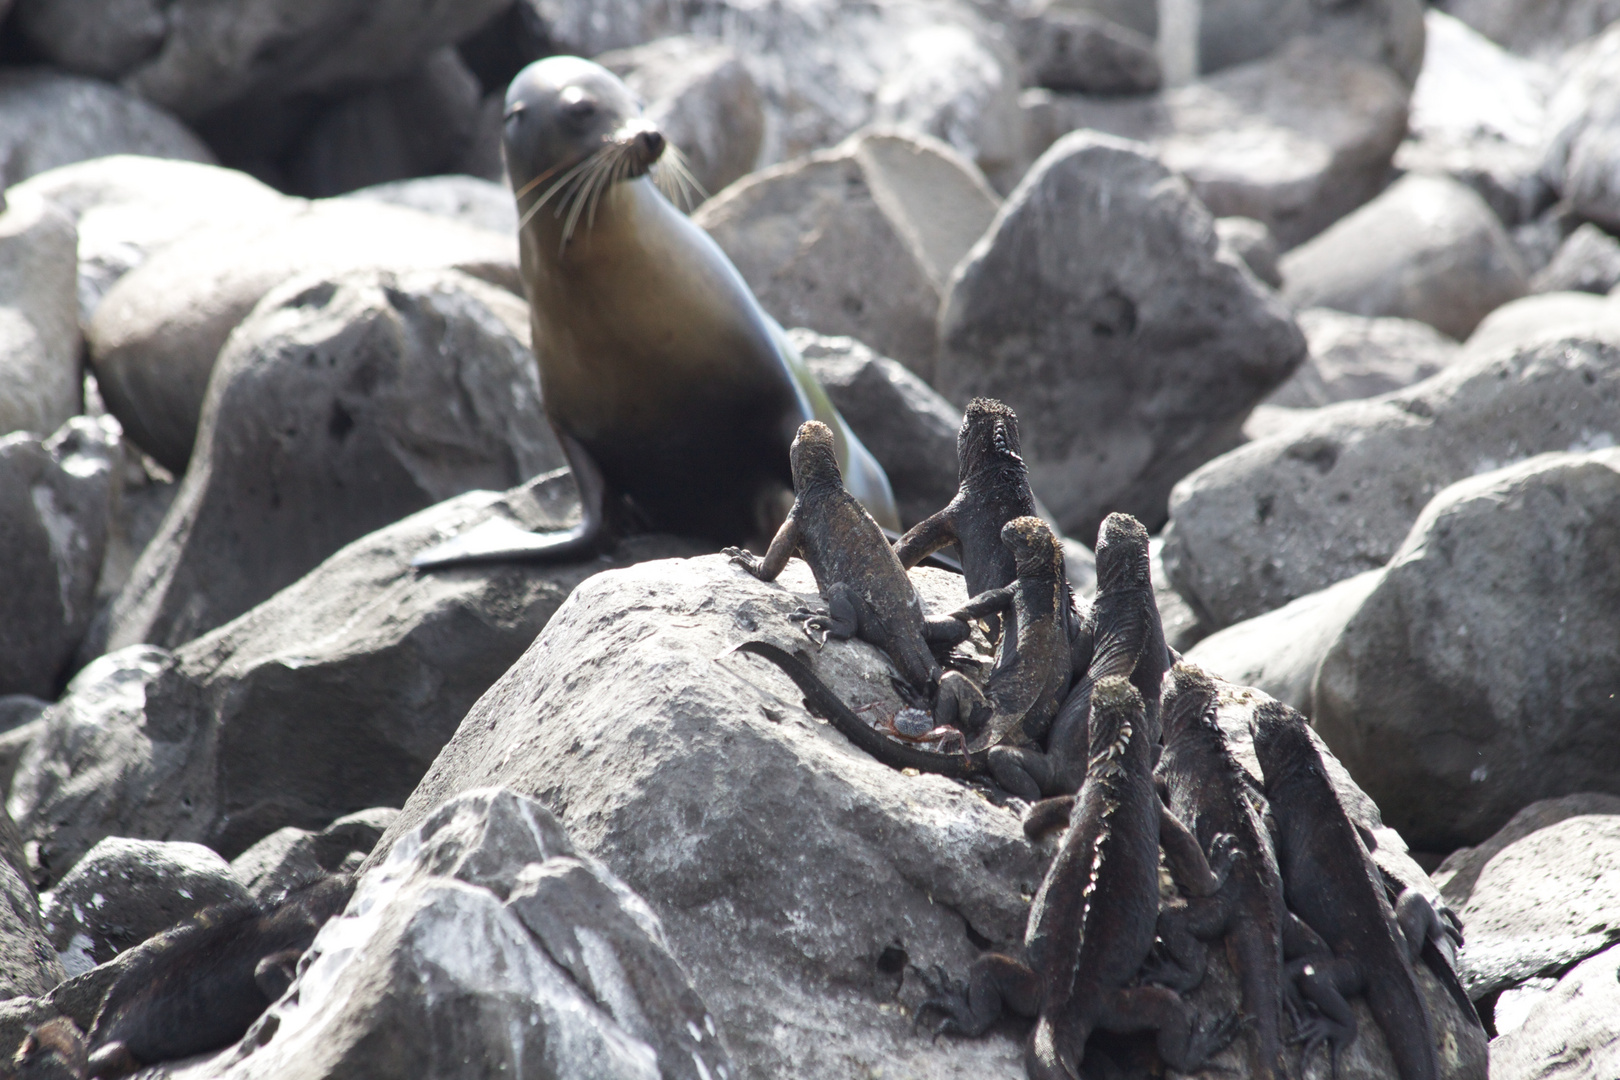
{"x": 502, "y": 540}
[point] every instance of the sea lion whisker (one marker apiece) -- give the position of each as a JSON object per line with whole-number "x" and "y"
{"x": 582, "y": 194}
{"x": 562, "y": 182}
{"x": 675, "y": 178}
{"x": 620, "y": 169}
{"x": 532, "y": 184}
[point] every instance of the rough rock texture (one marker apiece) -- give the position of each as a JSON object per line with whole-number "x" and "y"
{"x": 1063, "y": 49}
{"x": 1427, "y": 249}
{"x": 1542, "y": 903}
{"x": 1587, "y": 261}
{"x": 123, "y": 891}
{"x": 127, "y": 206}
{"x": 1354, "y": 356}
{"x": 1279, "y": 652}
{"x": 702, "y": 98}
{"x": 483, "y": 945}
{"x": 796, "y": 898}
{"x": 1460, "y": 871}
{"x": 1478, "y": 114}
{"x": 1572, "y": 1033}
{"x": 19, "y": 723}
{"x": 909, "y": 428}
{"x": 40, "y": 379}
{"x": 56, "y": 499}
{"x": 828, "y": 69}
{"x": 1336, "y": 494}
{"x": 158, "y": 331}
{"x": 341, "y": 405}
{"x": 1182, "y": 626}
{"x": 28, "y": 964}
{"x": 483, "y": 204}
{"x": 291, "y": 858}
{"x": 1252, "y": 242}
{"x": 195, "y": 56}
{"x": 1582, "y": 162}
{"x": 1455, "y": 703}
{"x": 331, "y": 697}
{"x": 49, "y": 119}
{"x": 421, "y": 123}
{"x": 1296, "y": 140}
{"x": 1536, "y": 27}
{"x": 858, "y": 240}
{"x": 1126, "y": 371}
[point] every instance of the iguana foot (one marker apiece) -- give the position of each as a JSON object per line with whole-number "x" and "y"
{"x": 1224, "y": 855}
{"x": 917, "y": 726}
{"x": 1312, "y": 1032}
{"x": 1208, "y": 1038}
{"x": 743, "y": 558}
{"x": 945, "y": 995}
{"x": 817, "y": 624}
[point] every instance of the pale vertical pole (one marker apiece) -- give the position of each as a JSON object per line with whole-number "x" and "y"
{"x": 1178, "y": 40}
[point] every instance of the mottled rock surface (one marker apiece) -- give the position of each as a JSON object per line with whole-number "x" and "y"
{"x": 1356, "y": 356}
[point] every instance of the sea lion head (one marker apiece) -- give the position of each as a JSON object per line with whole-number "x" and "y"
{"x": 1122, "y": 553}
{"x": 814, "y": 457}
{"x": 1034, "y": 548}
{"x": 988, "y": 437}
{"x": 573, "y": 130}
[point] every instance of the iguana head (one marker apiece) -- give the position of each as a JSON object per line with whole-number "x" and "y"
{"x": 815, "y": 461}
{"x": 1117, "y": 713}
{"x": 988, "y": 438}
{"x": 1122, "y": 553}
{"x": 1035, "y": 549}
{"x": 1190, "y": 695}
{"x": 1283, "y": 744}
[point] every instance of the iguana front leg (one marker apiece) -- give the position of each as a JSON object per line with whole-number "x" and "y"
{"x": 784, "y": 545}
{"x": 926, "y": 537}
{"x": 1185, "y": 1040}
{"x": 995, "y": 984}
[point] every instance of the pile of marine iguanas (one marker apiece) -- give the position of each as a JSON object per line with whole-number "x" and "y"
{"x": 1070, "y": 720}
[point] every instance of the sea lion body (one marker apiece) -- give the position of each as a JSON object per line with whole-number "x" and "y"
{"x": 656, "y": 361}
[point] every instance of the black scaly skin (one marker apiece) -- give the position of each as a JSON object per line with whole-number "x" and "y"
{"x": 200, "y": 986}
{"x": 1127, "y": 639}
{"x": 1205, "y": 787}
{"x": 1092, "y": 923}
{"x": 867, "y": 591}
{"x": 1330, "y": 882}
{"x": 992, "y": 488}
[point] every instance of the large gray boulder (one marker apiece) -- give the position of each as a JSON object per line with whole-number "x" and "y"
{"x": 28, "y": 964}
{"x": 1355, "y": 356}
{"x": 700, "y": 94}
{"x": 551, "y": 968}
{"x": 48, "y": 119}
{"x": 1572, "y": 1032}
{"x": 483, "y": 204}
{"x": 157, "y": 332}
{"x": 331, "y": 697}
{"x": 1582, "y": 160}
{"x": 859, "y": 240}
{"x": 1545, "y": 28}
{"x": 1459, "y": 873}
{"x": 127, "y": 206}
{"x": 1429, "y": 249}
{"x": 1545, "y": 318}
{"x": 1337, "y": 494}
{"x": 1101, "y": 307}
{"x": 56, "y": 502}
{"x": 341, "y": 405}
{"x": 195, "y": 56}
{"x": 123, "y": 891}
{"x": 1587, "y": 261}
{"x": 40, "y": 379}
{"x": 1476, "y": 677}
{"x": 1296, "y": 140}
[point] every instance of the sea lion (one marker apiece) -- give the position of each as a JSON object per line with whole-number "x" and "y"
{"x": 674, "y": 394}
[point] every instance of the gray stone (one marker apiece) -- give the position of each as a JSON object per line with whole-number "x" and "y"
{"x": 1572, "y": 1034}
{"x": 859, "y": 240}
{"x": 127, "y": 206}
{"x": 909, "y": 428}
{"x": 554, "y": 967}
{"x": 1354, "y": 356}
{"x": 419, "y": 124}
{"x": 1477, "y": 675}
{"x": 1544, "y": 28}
{"x": 1182, "y": 627}
{"x": 1253, "y": 243}
{"x": 1126, "y": 372}
{"x": 1582, "y": 161}
{"x": 291, "y": 858}
{"x": 1588, "y": 261}
{"x": 1077, "y": 51}
{"x": 195, "y": 56}
{"x": 1546, "y": 318}
{"x": 39, "y": 327}
{"x": 1427, "y": 249}
{"x": 1279, "y": 652}
{"x": 1288, "y": 515}
{"x": 155, "y": 336}
{"x": 331, "y": 697}
{"x": 340, "y": 405}
{"x": 28, "y": 964}
{"x": 1295, "y": 140}
{"x": 123, "y": 891}
{"x": 702, "y": 97}
{"x": 48, "y": 119}
{"x": 1460, "y": 871}
{"x": 483, "y": 204}
{"x": 56, "y": 500}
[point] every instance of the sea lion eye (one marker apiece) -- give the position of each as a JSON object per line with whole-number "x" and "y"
{"x": 579, "y": 112}
{"x": 513, "y": 111}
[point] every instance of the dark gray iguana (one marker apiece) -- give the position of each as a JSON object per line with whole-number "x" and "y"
{"x": 1092, "y": 923}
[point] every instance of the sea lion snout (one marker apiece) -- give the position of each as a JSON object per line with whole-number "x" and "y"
{"x": 643, "y": 142}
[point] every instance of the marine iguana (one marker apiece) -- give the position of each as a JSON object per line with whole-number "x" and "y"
{"x": 1330, "y": 882}
{"x": 200, "y": 986}
{"x": 1204, "y": 786}
{"x": 1092, "y": 923}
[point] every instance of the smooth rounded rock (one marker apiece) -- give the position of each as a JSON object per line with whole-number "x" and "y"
{"x": 1546, "y": 318}
{"x": 483, "y": 204}
{"x": 1587, "y": 261}
{"x": 1460, "y": 871}
{"x": 1536, "y": 27}
{"x": 1354, "y": 356}
{"x": 40, "y": 377}
{"x": 1582, "y": 161}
